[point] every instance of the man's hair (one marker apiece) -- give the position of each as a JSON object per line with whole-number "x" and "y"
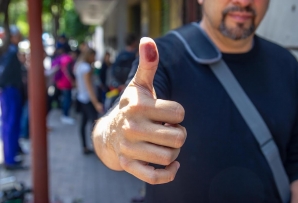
{"x": 130, "y": 39}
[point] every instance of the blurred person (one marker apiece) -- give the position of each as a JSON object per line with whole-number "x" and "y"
{"x": 90, "y": 106}
{"x": 83, "y": 47}
{"x": 64, "y": 83}
{"x": 108, "y": 82}
{"x": 62, "y": 42}
{"x": 25, "y": 110}
{"x": 124, "y": 60}
{"x": 11, "y": 100}
{"x": 121, "y": 69}
{"x": 74, "y": 54}
{"x": 53, "y": 93}
{"x": 173, "y": 88}
{"x": 106, "y": 72}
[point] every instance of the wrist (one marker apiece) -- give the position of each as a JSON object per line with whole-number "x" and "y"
{"x": 103, "y": 142}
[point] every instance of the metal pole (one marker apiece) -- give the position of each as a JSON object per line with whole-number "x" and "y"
{"x": 37, "y": 99}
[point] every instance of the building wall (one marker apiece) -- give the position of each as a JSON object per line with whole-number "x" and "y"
{"x": 176, "y": 13}
{"x": 281, "y": 24}
{"x": 152, "y": 18}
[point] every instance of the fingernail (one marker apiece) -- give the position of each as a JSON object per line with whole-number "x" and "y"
{"x": 178, "y": 166}
{"x": 150, "y": 52}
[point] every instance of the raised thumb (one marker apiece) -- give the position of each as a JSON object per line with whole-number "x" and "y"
{"x": 148, "y": 64}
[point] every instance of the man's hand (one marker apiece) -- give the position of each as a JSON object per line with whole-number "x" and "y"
{"x": 143, "y": 129}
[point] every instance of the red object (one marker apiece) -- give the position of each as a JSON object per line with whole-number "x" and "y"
{"x": 64, "y": 82}
{"x": 150, "y": 51}
{"x": 2, "y": 35}
{"x": 37, "y": 98}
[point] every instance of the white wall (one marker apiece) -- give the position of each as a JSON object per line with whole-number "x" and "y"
{"x": 281, "y": 23}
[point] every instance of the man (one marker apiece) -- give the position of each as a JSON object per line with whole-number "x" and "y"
{"x": 11, "y": 100}
{"x": 220, "y": 159}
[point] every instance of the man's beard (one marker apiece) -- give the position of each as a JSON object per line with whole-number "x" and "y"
{"x": 240, "y": 32}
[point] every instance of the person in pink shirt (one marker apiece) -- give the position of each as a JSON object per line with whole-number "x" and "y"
{"x": 64, "y": 82}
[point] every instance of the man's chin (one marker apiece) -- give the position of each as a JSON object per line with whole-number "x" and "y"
{"x": 237, "y": 32}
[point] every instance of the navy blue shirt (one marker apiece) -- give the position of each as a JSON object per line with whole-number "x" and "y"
{"x": 122, "y": 66}
{"x": 221, "y": 160}
{"x": 10, "y": 68}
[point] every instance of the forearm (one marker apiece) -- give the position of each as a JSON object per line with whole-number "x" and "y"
{"x": 101, "y": 141}
{"x": 294, "y": 191}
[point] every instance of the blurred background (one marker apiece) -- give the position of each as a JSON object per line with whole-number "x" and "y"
{"x": 100, "y": 36}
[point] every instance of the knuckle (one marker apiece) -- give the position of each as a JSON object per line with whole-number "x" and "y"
{"x": 134, "y": 108}
{"x": 123, "y": 161}
{"x": 124, "y": 148}
{"x": 152, "y": 178}
{"x": 171, "y": 177}
{"x": 130, "y": 129}
{"x": 180, "y": 138}
{"x": 179, "y": 112}
{"x": 167, "y": 158}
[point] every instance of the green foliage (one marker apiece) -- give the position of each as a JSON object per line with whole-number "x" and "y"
{"x": 50, "y": 6}
{"x": 73, "y": 27}
{"x": 18, "y": 15}
{"x": 70, "y": 23}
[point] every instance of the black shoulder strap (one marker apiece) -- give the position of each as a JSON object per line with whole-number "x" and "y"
{"x": 197, "y": 44}
{"x": 244, "y": 105}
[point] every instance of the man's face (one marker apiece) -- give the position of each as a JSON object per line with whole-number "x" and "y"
{"x": 235, "y": 19}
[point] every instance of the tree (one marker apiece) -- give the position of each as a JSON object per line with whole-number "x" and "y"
{"x": 74, "y": 28}
{"x": 56, "y": 9}
{"x": 59, "y": 16}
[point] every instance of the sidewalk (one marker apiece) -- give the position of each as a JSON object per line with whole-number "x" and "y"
{"x": 75, "y": 177}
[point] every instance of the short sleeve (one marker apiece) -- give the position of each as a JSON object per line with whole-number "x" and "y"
{"x": 85, "y": 68}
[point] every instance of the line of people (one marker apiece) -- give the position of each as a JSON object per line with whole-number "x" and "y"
{"x": 71, "y": 75}
{"x": 73, "y": 70}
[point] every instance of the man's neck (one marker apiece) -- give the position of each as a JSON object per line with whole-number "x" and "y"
{"x": 225, "y": 44}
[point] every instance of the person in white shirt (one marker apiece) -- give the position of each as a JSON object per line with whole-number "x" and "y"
{"x": 90, "y": 106}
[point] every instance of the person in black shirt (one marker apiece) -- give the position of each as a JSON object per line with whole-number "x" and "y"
{"x": 105, "y": 73}
{"x": 170, "y": 92}
{"x": 124, "y": 60}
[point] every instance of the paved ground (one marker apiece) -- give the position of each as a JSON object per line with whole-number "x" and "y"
{"x": 74, "y": 176}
